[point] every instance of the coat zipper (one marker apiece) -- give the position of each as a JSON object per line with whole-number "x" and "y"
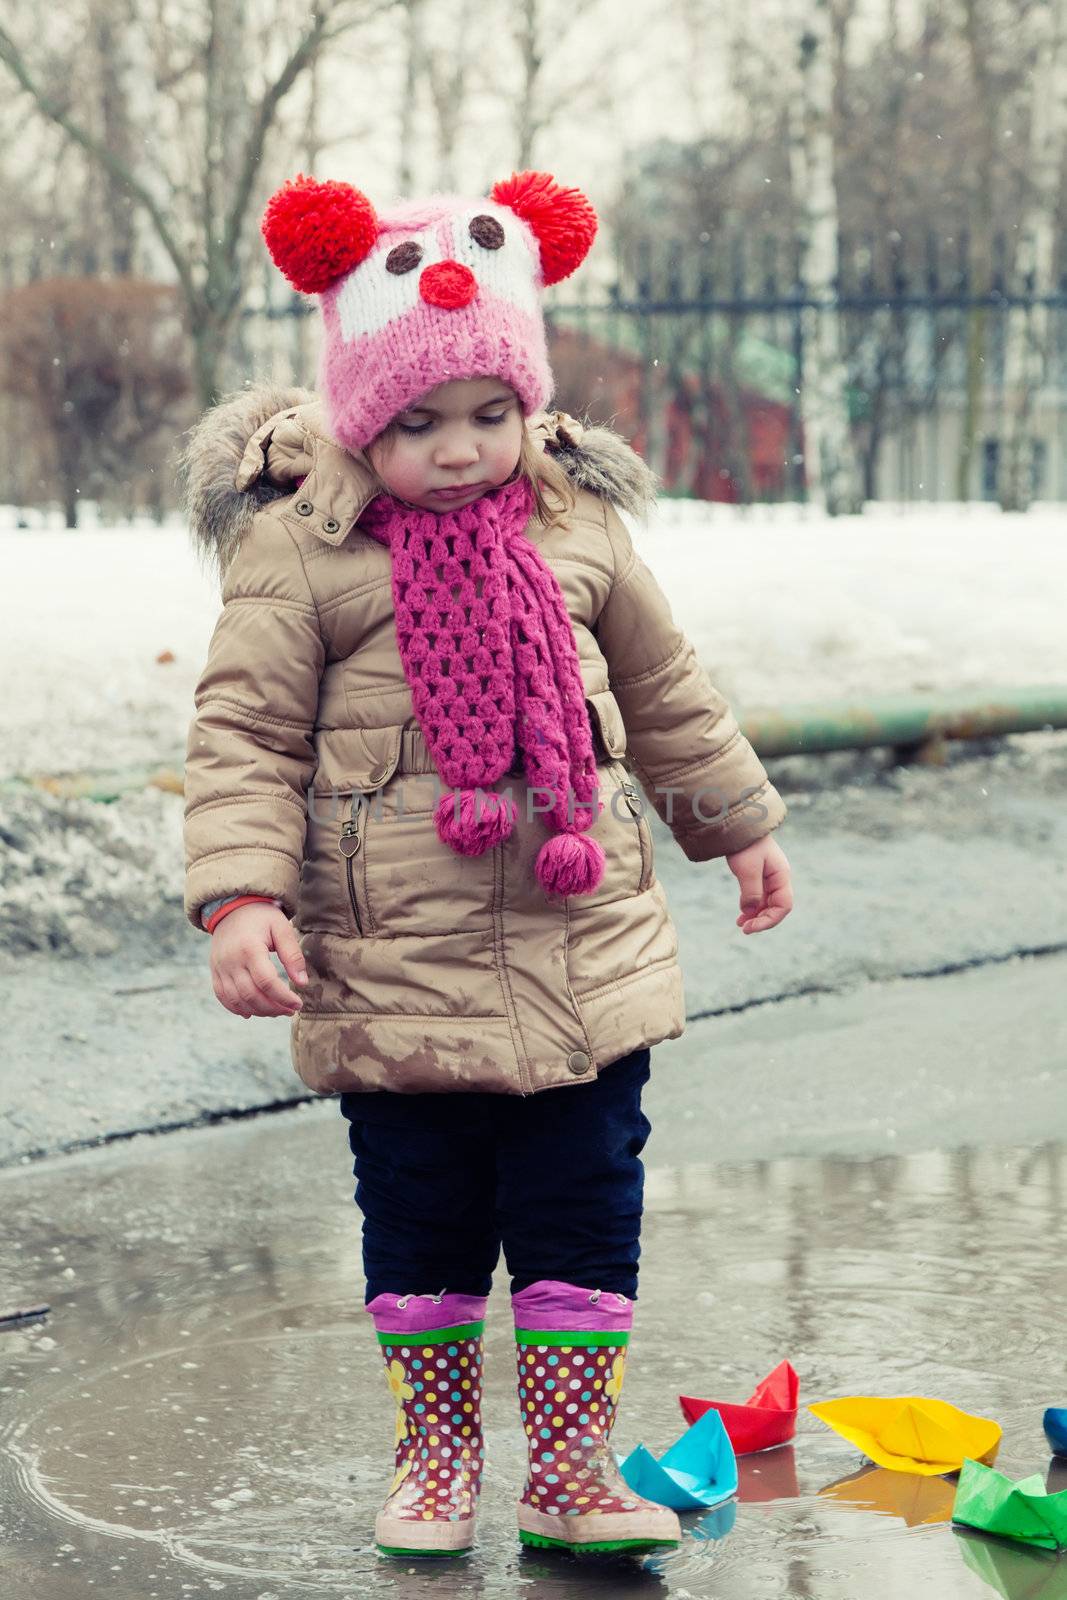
{"x": 349, "y": 845}
{"x": 633, "y": 800}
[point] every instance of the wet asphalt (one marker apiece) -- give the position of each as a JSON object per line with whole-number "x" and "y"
{"x": 203, "y": 1412}
{"x": 922, "y": 954}
{"x": 859, "y": 1161}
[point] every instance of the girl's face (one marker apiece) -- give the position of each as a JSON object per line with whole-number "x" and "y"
{"x": 464, "y": 435}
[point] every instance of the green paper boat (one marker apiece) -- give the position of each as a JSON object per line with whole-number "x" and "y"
{"x": 987, "y": 1500}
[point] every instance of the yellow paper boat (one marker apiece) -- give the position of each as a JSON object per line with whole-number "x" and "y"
{"x": 909, "y": 1433}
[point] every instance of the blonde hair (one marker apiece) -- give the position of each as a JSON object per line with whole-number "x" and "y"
{"x": 545, "y": 473}
{"x": 554, "y": 496}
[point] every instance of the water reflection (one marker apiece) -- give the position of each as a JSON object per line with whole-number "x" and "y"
{"x": 1013, "y": 1570}
{"x": 209, "y": 1410}
{"x": 769, "y": 1475}
{"x": 546, "y": 1575}
{"x": 712, "y": 1525}
{"x": 915, "y": 1500}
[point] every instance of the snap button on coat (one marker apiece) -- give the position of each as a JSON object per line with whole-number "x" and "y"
{"x": 578, "y": 1062}
{"x": 304, "y": 507}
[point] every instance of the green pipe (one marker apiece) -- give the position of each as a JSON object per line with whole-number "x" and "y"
{"x": 905, "y": 719}
{"x": 98, "y": 785}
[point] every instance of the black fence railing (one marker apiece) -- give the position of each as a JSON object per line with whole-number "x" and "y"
{"x": 699, "y": 352}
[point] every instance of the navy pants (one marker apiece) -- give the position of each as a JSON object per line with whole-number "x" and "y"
{"x": 444, "y": 1180}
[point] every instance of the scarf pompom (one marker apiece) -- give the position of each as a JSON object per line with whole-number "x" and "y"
{"x": 570, "y": 863}
{"x": 471, "y": 821}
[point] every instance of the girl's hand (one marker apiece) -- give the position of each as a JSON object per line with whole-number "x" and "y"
{"x": 244, "y": 978}
{"x": 762, "y": 871}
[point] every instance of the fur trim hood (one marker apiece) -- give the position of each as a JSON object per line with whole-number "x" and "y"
{"x": 257, "y": 442}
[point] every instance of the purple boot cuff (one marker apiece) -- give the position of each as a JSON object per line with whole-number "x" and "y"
{"x": 553, "y": 1306}
{"x": 418, "y": 1313}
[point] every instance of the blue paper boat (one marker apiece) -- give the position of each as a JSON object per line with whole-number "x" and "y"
{"x": 1056, "y": 1429}
{"x": 699, "y": 1469}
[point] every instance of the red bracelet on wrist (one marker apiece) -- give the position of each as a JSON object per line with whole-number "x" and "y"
{"x": 231, "y": 905}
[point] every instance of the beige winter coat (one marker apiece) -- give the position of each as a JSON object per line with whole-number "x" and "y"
{"x": 429, "y": 970}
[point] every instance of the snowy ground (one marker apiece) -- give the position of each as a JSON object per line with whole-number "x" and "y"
{"x": 782, "y": 607}
{"x": 104, "y": 632}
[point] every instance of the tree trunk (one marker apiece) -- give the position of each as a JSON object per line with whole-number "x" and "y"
{"x": 976, "y": 33}
{"x": 70, "y": 495}
{"x": 531, "y": 62}
{"x": 413, "y": 58}
{"x": 739, "y": 445}
{"x": 447, "y": 71}
{"x": 119, "y": 236}
{"x": 1026, "y": 356}
{"x": 209, "y": 335}
{"x": 830, "y": 462}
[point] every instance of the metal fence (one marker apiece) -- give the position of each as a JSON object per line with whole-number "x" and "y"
{"x": 696, "y": 352}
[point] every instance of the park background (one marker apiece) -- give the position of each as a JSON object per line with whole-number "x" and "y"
{"x": 827, "y": 303}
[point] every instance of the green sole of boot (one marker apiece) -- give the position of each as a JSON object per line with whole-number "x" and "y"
{"x": 598, "y": 1547}
{"x": 438, "y": 1555}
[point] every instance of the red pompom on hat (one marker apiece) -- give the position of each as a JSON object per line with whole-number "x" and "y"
{"x": 316, "y": 232}
{"x": 562, "y": 219}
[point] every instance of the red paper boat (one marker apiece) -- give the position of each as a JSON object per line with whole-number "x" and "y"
{"x": 767, "y": 1418}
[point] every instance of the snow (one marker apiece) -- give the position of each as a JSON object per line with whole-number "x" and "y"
{"x": 782, "y": 606}
{"x": 791, "y": 607}
{"x": 83, "y": 617}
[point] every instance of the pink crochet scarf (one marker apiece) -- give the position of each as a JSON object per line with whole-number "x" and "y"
{"x": 489, "y": 652}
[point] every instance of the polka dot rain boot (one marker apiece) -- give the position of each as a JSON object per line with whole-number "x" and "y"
{"x": 571, "y": 1349}
{"x": 432, "y": 1345}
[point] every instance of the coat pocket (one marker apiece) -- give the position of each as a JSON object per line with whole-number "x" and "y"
{"x": 605, "y": 714}
{"x": 354, "y": 768}
{"x": 414, "y": 883}
{"x": 381, "y": 869}
{"x": 635, "y": 804}
{"x": 625, "y": 829}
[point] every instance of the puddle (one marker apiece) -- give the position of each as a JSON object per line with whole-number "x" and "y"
{"x": 203, "y": 1412}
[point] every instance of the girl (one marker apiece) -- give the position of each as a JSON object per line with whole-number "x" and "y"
{"x": 439, "y": 661}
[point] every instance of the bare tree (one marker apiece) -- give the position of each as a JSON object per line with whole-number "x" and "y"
{"x": 200, "y": 224}
{"x": 548, "y": 85}
{"x": 829, "y": 457}
{"x": 977, "y": 33}
{"x": 448, "y": 72}
{"x": 414, "y": 50}
{"x": 1027, "y": 353}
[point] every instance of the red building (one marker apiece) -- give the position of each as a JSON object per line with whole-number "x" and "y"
{"x": 709, "y": 440}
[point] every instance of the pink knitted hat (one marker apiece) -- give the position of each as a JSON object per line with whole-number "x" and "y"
{"x": 430, "y": 290}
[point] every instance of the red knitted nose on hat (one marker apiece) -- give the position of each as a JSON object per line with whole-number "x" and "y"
{"x": 489, "y": 653}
